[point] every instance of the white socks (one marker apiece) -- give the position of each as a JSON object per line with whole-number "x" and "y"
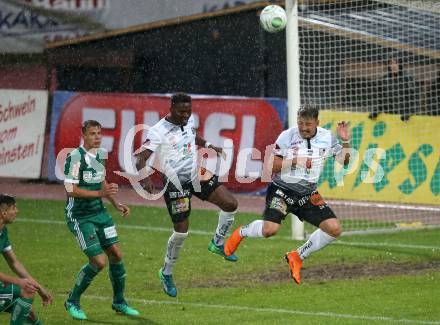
{"x": 225, "y": 220}
{"x": 317, "y": 240}
{"x": 254, "y": 229}
{"x": 175, "y": 243}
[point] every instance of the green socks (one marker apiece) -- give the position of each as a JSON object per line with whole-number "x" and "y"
{"x": 88, "y": 272}
{"x": 117, "y": 278}
{"x": 83, "y": 280}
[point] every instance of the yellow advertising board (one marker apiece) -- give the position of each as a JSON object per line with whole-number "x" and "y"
{"x": 393, "y": 161}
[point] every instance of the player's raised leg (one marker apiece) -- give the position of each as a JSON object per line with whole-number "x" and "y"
{"x": 228, "y": 208}
{"x": 328, "y": 231}
{"x": 255, "y": 229}
{"x": 275, "y": 211}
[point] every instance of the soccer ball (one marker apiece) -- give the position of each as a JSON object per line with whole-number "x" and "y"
{"x": 273, "y": 18}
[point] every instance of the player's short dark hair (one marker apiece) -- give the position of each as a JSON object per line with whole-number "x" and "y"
{"x": 308, "y": 112}
{"x": 7, "y": 200}
{"x": 90, "y": 123}
{"x": 180, "y": 98}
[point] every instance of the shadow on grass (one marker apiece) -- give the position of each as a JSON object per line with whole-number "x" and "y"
{"x": 139, "y": 320}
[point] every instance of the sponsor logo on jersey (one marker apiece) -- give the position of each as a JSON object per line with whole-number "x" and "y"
{"x": 87, "y": 176}
{"x": 177, "y": 194}
{"x": 316, "y": 199}
{"x": 180, "y": 205}
{"x": 278, "y": 204}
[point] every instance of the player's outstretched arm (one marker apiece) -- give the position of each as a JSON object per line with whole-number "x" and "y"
{"x": 24, "y": 280}
{"x": 203, "y": 143}
{"x": 15, "y": 265}
{"x": 45, "y": 295}
{"x": 344, "y": 133}
{"x": 24, "y": 284}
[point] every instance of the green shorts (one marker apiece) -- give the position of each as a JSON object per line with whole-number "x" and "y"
{"x": 8, "y": 294}
{"x": 94, "y": 234}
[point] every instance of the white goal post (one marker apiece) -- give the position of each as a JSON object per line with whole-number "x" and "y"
{"x": 293, "y": 85}
{"x": 341, "y": 58}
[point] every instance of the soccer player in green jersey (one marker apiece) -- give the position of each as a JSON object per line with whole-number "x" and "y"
{"x": 17, "y": 293}
{"x": 88, "y": 220}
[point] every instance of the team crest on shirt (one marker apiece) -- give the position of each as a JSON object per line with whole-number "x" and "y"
{"x": 193, "y": 130}
{"x": 87, "y": 176}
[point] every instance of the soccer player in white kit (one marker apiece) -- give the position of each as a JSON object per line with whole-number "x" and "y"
{"x": 299, "y": 158}
{"x": 173, "y": 141}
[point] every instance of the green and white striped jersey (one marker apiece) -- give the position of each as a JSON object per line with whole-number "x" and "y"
{"x": 87, "y": 171}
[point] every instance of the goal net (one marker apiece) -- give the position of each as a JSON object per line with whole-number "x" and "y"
{"x": 376, "y": 64}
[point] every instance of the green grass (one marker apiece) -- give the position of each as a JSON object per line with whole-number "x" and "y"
{"x": 255, "y": 290}
{"x": 356, "y": 224}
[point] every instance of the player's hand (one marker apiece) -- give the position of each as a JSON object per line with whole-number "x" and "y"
{"x": 343, "y": 131}
{"x": 148, "y": 185}
{"x": 46, "y": 296}
{"x": 28, "y": 285}
{"x": 219, "y": 151}
{"x": 125, "y": 210}
{"x": 109, "y": 190}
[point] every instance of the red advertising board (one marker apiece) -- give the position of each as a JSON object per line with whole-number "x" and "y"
{"x": 249, "y": 123}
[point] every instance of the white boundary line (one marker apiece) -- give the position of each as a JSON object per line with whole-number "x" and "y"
{"x": 269, "y": 310}
{"x": 208, "y": 233}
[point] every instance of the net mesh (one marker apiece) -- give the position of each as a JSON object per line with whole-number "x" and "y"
{"x": 377, "y": 65}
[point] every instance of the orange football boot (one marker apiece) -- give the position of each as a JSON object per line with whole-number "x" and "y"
{"x": 295, "y": 264}
{"x": 232, "y": 243}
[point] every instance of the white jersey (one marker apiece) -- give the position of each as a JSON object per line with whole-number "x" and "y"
{"x": 175, "y": 146}
{"x": 290, "y": 144}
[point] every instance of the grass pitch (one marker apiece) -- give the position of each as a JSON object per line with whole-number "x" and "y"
{"x": 374, "y": 279}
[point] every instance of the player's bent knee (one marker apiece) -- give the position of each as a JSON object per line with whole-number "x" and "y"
{"x": 335, "y": 231}
{"x": 98, "y": 263}
{"x": 230, "y": 205}
{"x": 269, "y": 232}
{"x": 332, "y": 227}
{"x": 116, "y": 257}
{"x": 114, "y": 254}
